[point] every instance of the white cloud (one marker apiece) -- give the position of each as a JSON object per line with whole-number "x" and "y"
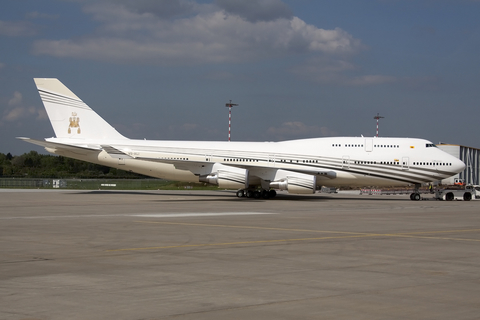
{"x": 326, "y": 70}
{"x": 257, "y": 10}
{"x": 367, "y": 80}
{"x": 16, "y": 110}
{"x": 18, "y": 113}
{"x": 16, "y": 100}
{"x": 207, "y": 35}
{"x": 16, "y": 28}
{"x": 40, "y": 15}
{"x": 163, "y": 9}
{"x": 183, "y": 32}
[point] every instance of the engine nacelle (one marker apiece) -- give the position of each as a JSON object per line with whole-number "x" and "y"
{"x": 294, "y": 182}
{"x": 226, "y": 177}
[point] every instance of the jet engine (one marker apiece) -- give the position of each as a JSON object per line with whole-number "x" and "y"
{"x": 294, "y": 182}
{"x": 226, "y": 177}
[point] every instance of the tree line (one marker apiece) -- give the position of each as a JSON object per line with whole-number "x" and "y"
{"x": 35, "y": 165}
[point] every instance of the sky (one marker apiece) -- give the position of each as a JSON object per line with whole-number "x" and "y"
{"x": 164, "y": 69}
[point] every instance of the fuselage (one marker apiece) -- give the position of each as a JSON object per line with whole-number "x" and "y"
{"x": 335, "y": 161}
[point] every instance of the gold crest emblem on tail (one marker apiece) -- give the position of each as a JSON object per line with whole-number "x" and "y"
{"x": 74, "y": 123}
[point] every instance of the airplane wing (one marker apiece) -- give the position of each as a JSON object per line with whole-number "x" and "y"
{"x": 205, "y": 167}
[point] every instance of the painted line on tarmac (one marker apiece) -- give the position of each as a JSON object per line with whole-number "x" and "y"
{"x": 435, "y": 238}
{"x": 250, "y": 227}
{"x": 238, "y": 243}
{"x": 439, "y": 231}
{"x": 199, "y": 214}
{"x": 357, "y": 235}
{"x": 406, "y": 234}
{"x": 144, "y": 215}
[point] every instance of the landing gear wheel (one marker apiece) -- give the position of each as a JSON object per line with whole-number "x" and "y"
{"x": 240, "y": 193}
{"x": 265, "y": 194}
{"x": 256, "y": 194}
{"x": 272, "y": 193}
{"x": 415, "y": 196}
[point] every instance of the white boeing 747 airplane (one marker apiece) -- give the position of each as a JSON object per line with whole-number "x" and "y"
{"x": 254, "y": 168}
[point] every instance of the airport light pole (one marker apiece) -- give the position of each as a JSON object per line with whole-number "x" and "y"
{"x": 378, "y": 117}
{"x": 230, "y": 105}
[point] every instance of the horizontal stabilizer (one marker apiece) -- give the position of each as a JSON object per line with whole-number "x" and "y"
{"x": 55, "y": 145}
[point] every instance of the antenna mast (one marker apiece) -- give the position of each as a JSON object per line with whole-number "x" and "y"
{"x": 230, "y": 105}
{"x": 378, "y": 117}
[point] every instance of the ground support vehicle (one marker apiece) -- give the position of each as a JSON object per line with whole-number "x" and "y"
{"x": 466, "y": 193}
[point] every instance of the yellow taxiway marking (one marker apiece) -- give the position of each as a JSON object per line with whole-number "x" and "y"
{"x": 309, "y": 230}
{"x": 416, "y": 234}
{"x": 248, "y": 227}
{"x": 237, "y": 243}
{"x": 401, "y": 235}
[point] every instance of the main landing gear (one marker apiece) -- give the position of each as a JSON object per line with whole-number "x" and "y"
{"x": 415, "y": 196}
{"x": 256, "y": 194}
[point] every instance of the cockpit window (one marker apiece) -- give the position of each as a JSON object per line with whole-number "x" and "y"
{"x": 431, "y": 145}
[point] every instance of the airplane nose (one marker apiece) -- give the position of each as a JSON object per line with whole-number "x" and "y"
{"x": 458, "y": 165}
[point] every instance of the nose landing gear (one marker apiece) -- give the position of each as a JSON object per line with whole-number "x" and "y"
{"x": 415, "y": 196}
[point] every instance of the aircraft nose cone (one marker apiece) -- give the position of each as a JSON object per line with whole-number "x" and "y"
{"x": 458, "y": 165}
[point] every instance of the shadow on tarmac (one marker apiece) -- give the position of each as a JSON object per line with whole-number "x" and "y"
{"x": 230, "y": 196}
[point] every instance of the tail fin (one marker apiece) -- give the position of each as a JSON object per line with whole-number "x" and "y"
{"x": 70, "y": 116}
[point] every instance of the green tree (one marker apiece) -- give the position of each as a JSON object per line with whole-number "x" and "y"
{"x": 35, "y": 165}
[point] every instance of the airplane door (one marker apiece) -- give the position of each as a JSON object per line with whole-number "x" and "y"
{"x": 271, "y": 160}
{"x": 435, "y": 164}
{"x": 368, "y": 145}
{"x": 405, "y": 163}
{"x": 346, "y": 162}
